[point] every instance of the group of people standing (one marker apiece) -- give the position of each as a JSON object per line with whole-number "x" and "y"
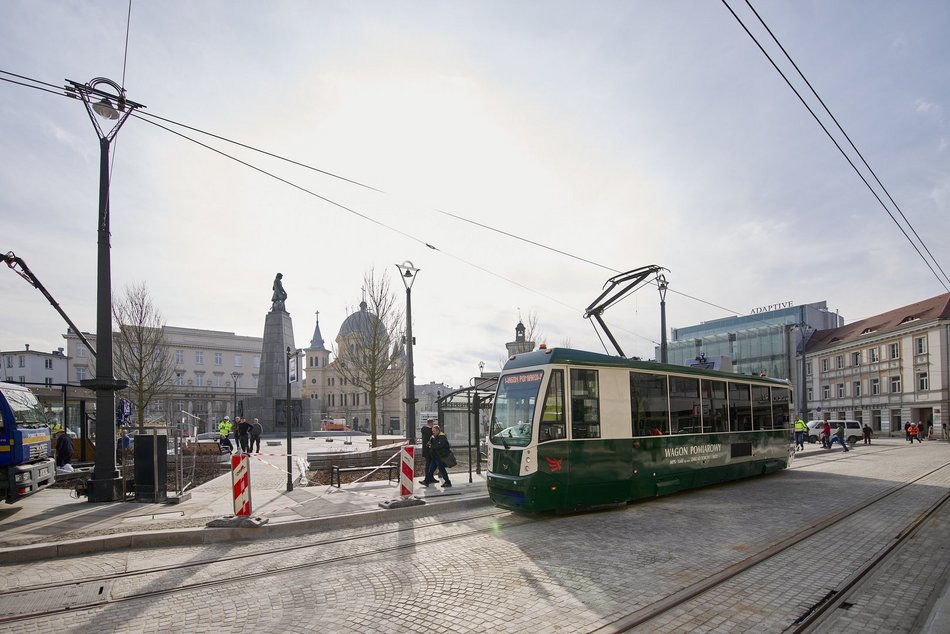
{"x": 246, "y": 433}
{"x": 913, "y": 431}
{"x": 437, "y": 453}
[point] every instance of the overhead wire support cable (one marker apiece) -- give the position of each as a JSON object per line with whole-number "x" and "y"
{"x": 58, "y": 92}
{"x": 846, "y": 136}
{"x": 837, "y": 145}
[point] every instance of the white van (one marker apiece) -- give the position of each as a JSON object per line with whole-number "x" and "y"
{"x": 852, "y": 430}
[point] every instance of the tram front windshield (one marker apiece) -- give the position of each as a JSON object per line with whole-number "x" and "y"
{"x": 514, "y": 408}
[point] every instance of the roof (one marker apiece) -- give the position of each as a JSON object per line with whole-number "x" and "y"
{"x": 580, "y": 357}
{"x": 361, "y": 323}
{"x": 928, "y": 310}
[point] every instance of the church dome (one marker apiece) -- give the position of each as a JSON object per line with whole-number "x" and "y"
{"x": 359, "y": 323}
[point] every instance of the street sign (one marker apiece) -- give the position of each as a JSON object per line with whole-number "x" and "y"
{"x": 292, "y": 371}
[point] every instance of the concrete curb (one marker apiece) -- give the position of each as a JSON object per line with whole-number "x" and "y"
{"x": 206, "y": 535}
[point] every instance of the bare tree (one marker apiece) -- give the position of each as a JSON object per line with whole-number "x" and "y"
{"x": 532, "y": 330}
{"x": 142, "y": 356}
{"x": 368, "y": 356}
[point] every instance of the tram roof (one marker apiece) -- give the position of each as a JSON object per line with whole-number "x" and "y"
{"x": 569, "y": 356}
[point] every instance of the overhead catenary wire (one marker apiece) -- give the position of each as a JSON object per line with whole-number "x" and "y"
{"x": 848, "y": 137}
{"x": 840, "y": 149}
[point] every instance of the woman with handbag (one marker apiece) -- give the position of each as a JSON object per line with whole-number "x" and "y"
{"x": 441, "y": 454}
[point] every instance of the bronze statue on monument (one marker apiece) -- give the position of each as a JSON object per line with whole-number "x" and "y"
{"x": 279, "y": 295}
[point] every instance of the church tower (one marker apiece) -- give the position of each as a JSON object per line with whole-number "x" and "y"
{"x": 520, "y": 344}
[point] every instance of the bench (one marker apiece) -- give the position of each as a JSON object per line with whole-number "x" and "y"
{"x": 336, "y": 470}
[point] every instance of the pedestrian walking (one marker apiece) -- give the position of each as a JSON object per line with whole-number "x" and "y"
{"x": 914, "y": 433}
{"x": 867, "y": 433}
{"x": 426, "y": 451}
{"x": 256, "y": 431}
{"x": 441, "y": 453}
{"x": 825, "y": 435}
{"x": 907, "y": 432}
{"x": 244, "y": 434}
{"x": 800, "y": 429}
{"x": 838, "y": 438}
{"x": 224, "y": 430}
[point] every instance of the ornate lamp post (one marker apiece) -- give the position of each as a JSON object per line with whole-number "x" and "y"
{"x": 407, "y": 273}
{"x": 105, "y": 98}
{"x": 661, "y": 284}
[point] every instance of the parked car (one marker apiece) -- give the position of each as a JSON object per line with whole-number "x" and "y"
{"x": 852, "y": 430}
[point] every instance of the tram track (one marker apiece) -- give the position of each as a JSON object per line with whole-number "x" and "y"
{"x": 94, "y": 592}
{"x": 642, "y": 618}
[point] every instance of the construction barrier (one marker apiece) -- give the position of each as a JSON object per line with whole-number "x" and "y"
{"x": 241, "y": 485}
{"x": 408, "y": 470}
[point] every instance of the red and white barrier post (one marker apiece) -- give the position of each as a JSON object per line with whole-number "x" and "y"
{"x": 241, "y": 485}
{"x": 407, "y": 470}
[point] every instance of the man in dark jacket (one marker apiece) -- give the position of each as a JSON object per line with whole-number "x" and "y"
{"x": 64, "y": 449}
{"x": 426, "y": 451}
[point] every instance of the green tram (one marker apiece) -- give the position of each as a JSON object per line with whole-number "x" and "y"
{"x": 575, "y": 430}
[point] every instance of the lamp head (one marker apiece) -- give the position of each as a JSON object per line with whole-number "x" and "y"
{"x": 105, "y": 109}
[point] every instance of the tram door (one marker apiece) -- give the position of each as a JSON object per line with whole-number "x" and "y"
{"x": 553, "y": 459}
{"x": 599, "y": 471}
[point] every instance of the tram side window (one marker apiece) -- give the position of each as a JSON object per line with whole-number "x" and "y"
{"x": 585, "y": 404}
{"x": 740, "y": 406}
{"x": 684, "y": 405}
{"x": 781, "y": 401}
{"x": 649, "y": 404}
{"x": 553, "y": 425}
{"x": 715, "y": 406}
{"x": 761, "y": 407}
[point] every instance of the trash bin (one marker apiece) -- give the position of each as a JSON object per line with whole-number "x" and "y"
{"x": 151, "y": 465}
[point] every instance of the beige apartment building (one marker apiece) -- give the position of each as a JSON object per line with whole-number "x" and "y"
{"x": 213, "y": 370}
{"x": 884, "y": 370}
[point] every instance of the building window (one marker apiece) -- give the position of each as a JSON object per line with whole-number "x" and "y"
{"x": 808, "y": 369}
{"x": 923, "y": 382}
{"x": 857, "y": 388}
{"x": 238, "y": 361}
{"x": 824, "y": 365}
{"x": 179, "y": 378}
{"x": 218, "y": 358}
{"x": 199, "y": 357}
{"x": 855, "y": 358}
{"x": 81, "y": 351}
{"x": 48, "y": 381}
{"x": 199, "y": 378}
{"x": 920, "y": 345}
{"x": 9, "y": 362}
{"x": 48, "y": 364}
{"x": 839, "y": 362}
{"x": 80, "y": 374}
{"x": 218, "y": 379}
{"x": 22, "y": 362}
{"x": 811, "y": 394}
{"x": 825, "y": 391}
{"x": 179, "y": 357}
{"x": 841, "y": 390}
{"x": 895, "y": 384}
{"x": 257, "y": 363}
{"x": 875, "y": 387}
{"x": 873, "y": 355}
{"x": 894, "y": 351}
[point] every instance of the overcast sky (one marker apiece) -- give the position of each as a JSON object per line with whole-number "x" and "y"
{"x": 623, "y": 133}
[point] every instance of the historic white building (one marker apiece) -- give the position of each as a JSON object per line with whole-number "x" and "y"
{"x": 884, "y": 370}
{"x": 213, "y": 370}
{"x": 33, "y": 366}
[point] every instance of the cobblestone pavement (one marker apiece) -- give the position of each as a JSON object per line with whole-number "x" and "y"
{"x": 501, "y": 572}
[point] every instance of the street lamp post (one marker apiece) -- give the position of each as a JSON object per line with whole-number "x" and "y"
{"x": 408, "y": 274}
{"x": 234, "y": 379}
{"x": 661, "y": 284}
{"x": 291, "y": 377}
{"x": 110, "y": 104}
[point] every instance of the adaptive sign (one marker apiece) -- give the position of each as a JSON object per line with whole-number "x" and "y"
{"x": 771, "y": 307}
{"x": 525, "y": 377}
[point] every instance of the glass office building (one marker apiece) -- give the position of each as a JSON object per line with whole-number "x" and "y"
{"x": 766, "y": 342}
